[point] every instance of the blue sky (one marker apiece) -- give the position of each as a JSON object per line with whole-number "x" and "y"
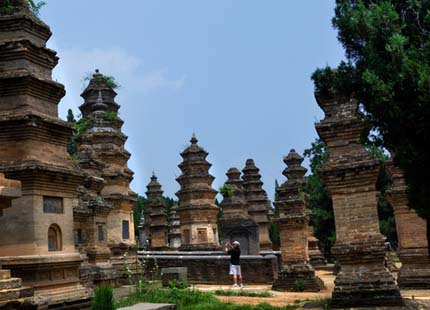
{"x": 237, "y": 73}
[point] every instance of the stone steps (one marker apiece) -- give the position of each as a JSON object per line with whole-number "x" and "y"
{"x": 15, "y": 293}
{"x": 10, "y": 283}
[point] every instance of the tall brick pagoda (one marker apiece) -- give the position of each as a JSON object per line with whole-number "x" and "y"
{"x": 236, "y": 223}
{"x": 197, "y": 210}
{"x": 174, "y": 228}
{"x": 37, "y": 244}
{"x": 350, "y": 174}
{"x": 156, "y": 216}
{"x": 258, "y": 204}
{"x": 411, "y": 233}
{"x": 293, "y": 231}
{"x": 102, "y": 148}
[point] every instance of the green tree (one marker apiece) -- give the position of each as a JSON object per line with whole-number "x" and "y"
{"x": 387, "y": 45}
{"x": 318, "y": 198}
{"x": 138, "y": 208}
{"x": 72, "y": 146}
{"x": 70, "y": 116}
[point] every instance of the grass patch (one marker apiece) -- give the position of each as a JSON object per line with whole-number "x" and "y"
{"x": 191, "y": 299}
{"x": 242, "y": 293}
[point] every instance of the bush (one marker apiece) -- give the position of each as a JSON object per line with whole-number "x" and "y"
{"x": 299, "y": 285}
{"x": 180, "y": 284}
{"x": 103, "y": 299}
{"x": 242, "y": 293}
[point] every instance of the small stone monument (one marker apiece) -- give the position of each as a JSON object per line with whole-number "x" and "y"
{"x": 296, "y": 273}
{"x": 316, "y": 258}
{"x": 236, "y": 223}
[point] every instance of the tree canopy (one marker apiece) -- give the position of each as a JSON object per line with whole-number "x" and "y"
{"x": 387, "y": 44}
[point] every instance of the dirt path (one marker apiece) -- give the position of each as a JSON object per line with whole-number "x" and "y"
{"x": 285, "y": 298}
{"x": 278, "y": 298}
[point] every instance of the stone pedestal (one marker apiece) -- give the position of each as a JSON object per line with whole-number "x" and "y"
{"x": 350, "y": 174}
{"x": 236, "y": 223}
{"x": 316, "y": 258}
{"x": 296, "y": 272}
{"x": 258, "y": 204}
{"x": 197, "y": 210}
{"x": 173, "y": 274}
{"x": 411, "y": 233}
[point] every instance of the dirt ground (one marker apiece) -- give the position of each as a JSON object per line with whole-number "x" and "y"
{"x": 284, "y": 298}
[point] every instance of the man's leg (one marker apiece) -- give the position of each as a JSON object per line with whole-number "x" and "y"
{"x": 235, "y": 279}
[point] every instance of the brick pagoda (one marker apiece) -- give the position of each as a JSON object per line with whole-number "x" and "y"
{"x": 258, "y": 204}
{"x": 38, "y": 244}
{"x": 350, "y": 174}
{"x": 296, "y": 273}
{"x": 156, "y": 217}
{"x": 197, "y": 210}
{"x": 102, "y": 146}
{"x": 236, "y": 223}
{"x": 411, "y": 233}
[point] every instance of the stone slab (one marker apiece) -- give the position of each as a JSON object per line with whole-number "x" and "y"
{"x": 148, "y": 306}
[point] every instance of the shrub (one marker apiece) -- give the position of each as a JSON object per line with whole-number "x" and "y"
{"x": 299, "y": 285}
{"x": 242, "y": 293}
{"x": 103, "y": 299}
{"x": 179, "y": 284}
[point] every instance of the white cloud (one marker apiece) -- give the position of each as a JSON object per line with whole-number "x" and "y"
{"x": 128, "y": 70}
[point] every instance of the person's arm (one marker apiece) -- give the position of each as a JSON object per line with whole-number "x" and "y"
{"x": 227, "y": 248}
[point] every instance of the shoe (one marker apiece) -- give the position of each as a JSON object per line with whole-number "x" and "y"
{"x": 234, "y": 285}
{"x": 241, "y": 285}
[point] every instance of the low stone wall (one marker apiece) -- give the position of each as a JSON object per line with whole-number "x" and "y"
{"x": 214, "y": 269}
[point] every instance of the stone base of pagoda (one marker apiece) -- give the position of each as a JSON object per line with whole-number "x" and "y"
{"x": 316, "y": 259}
{"x": 363, "y": 281}
{"x": 415, "y": 270}
{"x": 200, "y": 247}
{"x": 298, "y": 278}
{"x": 55, "y": 276}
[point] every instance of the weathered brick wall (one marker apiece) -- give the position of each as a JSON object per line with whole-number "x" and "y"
{"x": 215, "y": 269}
